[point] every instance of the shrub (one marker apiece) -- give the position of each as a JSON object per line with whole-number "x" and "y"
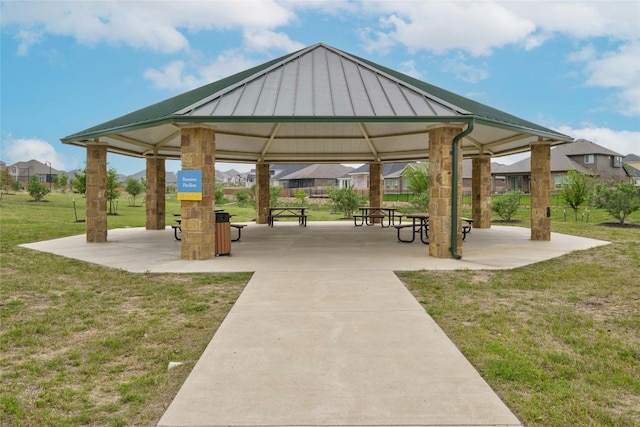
{"x": 301, "y": 197}
{"x": 506, "y": 206}
{"x": 134, "y": 188}
{"x": 576, "y": 190}
{"x": 112, "y": 190}
{"x": 345, "y": 200}
{"x": 220, "y": 194}
{"x": 418, "y": 183}
{"x": 243, "y": 198}
{"x": 619, "y": 199}
{"x": 36, "y": 189}
{"x": 274, "y": 194}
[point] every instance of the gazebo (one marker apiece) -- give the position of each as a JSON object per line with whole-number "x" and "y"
{"x": 317, "y": 105}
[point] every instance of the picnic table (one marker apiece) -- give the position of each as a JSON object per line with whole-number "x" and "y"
{"x": 288, "y": 212}
{"x": 419, "y": 225}
{"x": 369, "y": 214}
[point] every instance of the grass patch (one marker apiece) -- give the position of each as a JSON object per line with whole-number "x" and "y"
{"x": 557, "y": 340}
{"x": 87, "y": 345}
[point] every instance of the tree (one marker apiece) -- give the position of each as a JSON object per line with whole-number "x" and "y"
{"x": 6, "y": 179}
{"x": 619, "y": 199}
{"x": 219, "y": 194}
{"x": 507, "y": 205}
{"x": 576, "y": 190}
{"x": 112, "y": 189}
{"x": 134, "y": 188}
{"x": 418, "y": 184}
{"x": 61, "y": 181}
{"x": 36, "y": 189}
{"x": 79, "y": 183}
{"x": 300, "y": 196}
{"x": 243, "y": 198}
{"x": 345, "y": 200}
{"x": 274, "y": 194}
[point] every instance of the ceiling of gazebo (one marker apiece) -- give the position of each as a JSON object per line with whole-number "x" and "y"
{"x": 317, "y": 105}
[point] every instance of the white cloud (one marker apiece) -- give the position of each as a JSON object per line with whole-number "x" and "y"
{"x": 409, "y": 68}
{"x": 26, "y": 40}
{"x": 262, "y": 40}
{"x": 477, "y": 28}
{"x": 621, "y": 141}
{"x": 619, "y": 70}
{"x": 176, "y": 75}
{"x": 158, "y": 26}
{"x": 25, "y": 149}
{"x": 464, "y": 70}
{"x": 171, "y": 76}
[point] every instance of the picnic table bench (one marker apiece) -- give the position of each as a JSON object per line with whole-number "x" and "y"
{"x": 369, "y": 214}
{"x": 287, "y": 212}
{"x": 177, "y": 229}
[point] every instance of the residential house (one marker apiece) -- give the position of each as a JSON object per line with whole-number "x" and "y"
{"x": 312, "y": 177}
{"x": 395, "y": 181}
{"x": 23, "y": 171}
{"x": 498, "y": 181}
{"x": 392, "y": 174}
{"x": 632, "y": 167}
{"x": 581, "y": 156}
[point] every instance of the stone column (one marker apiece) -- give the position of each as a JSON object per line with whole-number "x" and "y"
{"x": 541, "y": 191}
{"x": 263, "y": 184}
{"x": 155, "y": 194}
{"x": 441, "y": 182}
{"x": 481, "y": 191}
{"x": 198, "y": 147}
{"x": 376, "y": 185}
{"x": 96, "y": 192}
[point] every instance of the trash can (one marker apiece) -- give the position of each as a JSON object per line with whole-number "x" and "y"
{"x": 223, "y": 234}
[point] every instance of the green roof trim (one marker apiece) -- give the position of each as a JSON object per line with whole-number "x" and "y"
{"x": 178, "y": 109}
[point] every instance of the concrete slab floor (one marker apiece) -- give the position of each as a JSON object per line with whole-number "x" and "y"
{"x": 325, "y": 333}
{"x": 330, "y": 245}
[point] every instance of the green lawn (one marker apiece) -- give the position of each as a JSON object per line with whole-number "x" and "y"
{"x": 87, "y": 345}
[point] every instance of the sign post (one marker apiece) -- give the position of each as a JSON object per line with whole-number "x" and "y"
{"x": 190, "y": 185}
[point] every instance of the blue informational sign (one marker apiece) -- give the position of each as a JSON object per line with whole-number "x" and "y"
{"x": 190, "y": 185}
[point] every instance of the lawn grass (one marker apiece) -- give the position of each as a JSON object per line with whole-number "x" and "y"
{"x": 87, "y": 345}
{"x": 559, "y": 340}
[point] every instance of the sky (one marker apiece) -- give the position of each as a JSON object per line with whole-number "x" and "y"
{"x": 572, "y": 66}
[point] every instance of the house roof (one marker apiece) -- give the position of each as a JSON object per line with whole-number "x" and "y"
{"x": 317, "y": 171}
{"x": 286, "y": 169}
{"x": 559, "y": 163}
{"x": 389, "y": 170}
{"x": 632, "y": 170}
{"x": 581, "y": 147}
{"x": 319, "y": 104}
{"x": 34, "y": 167}
{"x": 561, "y": 158}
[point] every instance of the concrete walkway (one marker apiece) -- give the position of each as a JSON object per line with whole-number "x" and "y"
{"x": 348, "y": 348}
{"x": 325, "y": 334}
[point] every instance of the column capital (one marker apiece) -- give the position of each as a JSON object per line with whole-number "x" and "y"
{"x": 540, "y": 142}
{"x": 460, "y": 126}
{"x": 96, "y": 143}
{"x": 196, "y": 126}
